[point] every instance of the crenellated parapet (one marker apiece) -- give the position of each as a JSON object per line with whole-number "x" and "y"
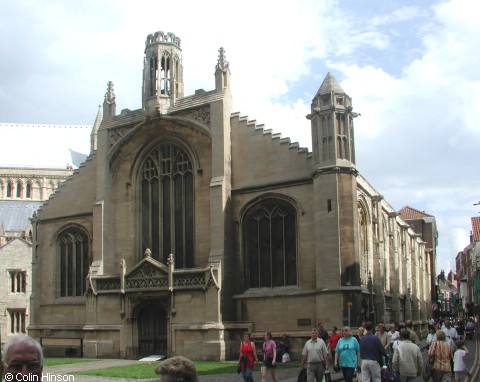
{"x": 161, "y": 37}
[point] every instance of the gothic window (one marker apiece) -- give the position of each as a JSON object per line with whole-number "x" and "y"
{"x": 18, "y": 281}
{"x": 167, "y": 205}
{"x": 270, "y": 245}
{"x": 165, "y": 74}
{"x": 364, "y": 249}
{"x": 9, "y": 190}
{"x": 19, "y": 190}
{"x": 28, "y": 191}
{"x": 74, "y": 262}
{"x": 153, "y": 75}
{"x": 17, "y": 321}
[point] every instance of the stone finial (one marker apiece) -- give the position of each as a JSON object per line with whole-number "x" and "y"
{"x": 222, "y": 63}
{"x": 110, "y": 95}
{"x": 147, "y": 253}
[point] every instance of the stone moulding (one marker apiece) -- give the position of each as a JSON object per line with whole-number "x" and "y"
{"x": 151, "y": 278}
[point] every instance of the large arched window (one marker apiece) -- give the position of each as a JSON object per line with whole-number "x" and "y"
{"x": 74, "y": 262}
{"x": 270, "y": 245}
{"x": 167, "y": 205}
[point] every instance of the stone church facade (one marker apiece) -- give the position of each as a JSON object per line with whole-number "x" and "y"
{"x": 189, "y": 224}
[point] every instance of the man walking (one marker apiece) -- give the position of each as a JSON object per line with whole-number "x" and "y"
{"x": 413, "y": 336}
{"x": 371, "y": 353}
{"x": 315, "y": 355}
{"x": 407, "y": 358}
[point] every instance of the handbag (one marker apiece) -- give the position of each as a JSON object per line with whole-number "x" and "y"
{"x": 428, "y": 367}
{"x": 427, "y": 371}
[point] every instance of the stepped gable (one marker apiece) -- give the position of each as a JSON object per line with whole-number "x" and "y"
{"x": 476, "y": 228}
{"x": 68, "y": 180}
{"x": 260, "y": 128}
{"x": 409, "y": 213}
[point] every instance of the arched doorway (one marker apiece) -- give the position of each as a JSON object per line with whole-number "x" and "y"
{"x": 152, "y": 330}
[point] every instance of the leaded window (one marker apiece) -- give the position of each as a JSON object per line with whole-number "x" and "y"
{"x": 167, "y": 205}
{"x": 271, "y": 245}
{"x": 18, "y": 320}
{"x": 74, "y": 263}
{"x": 18, "y": 281}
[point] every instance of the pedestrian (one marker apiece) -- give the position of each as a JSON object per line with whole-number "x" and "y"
{"x": 431, "y": 336}
{"x": 413, "y": 335}
{"x": 315, "y": 355}
{"x": 440, "y": 353}
{"x": 382, "y": 334}
{"x": 323, "y": 334}
{"x": 347, "y": 354}
{"x": 371, "y": 353}
{"x": 450, "y": 334}
{"x": 269, "y": 357}
{"x": 177, "y": 369}
{"x": 333, "y": 339}
{"x": 247, "y": 358}
{"x": 407, "y": 358}
{"x": 459, "y": 366}
{"x": 22, "y": 359}
{"x": 283, "y": 347}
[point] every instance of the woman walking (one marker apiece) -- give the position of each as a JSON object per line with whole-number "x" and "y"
{"x": 441, "y": 354}
{"x": 248, "y": 357}
{"x": 347, "y": 354}
{"x": 269, "y": 357}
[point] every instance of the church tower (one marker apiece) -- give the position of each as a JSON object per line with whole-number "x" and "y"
{"x": 335, "y": 196}
{"x": 162, "y": 73}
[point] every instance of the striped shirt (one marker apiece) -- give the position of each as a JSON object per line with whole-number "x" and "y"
{"x": 441, "y": 352}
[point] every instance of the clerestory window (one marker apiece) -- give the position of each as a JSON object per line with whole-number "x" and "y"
{"x": 167, "y": 205}
{"x": 270, "y": 245}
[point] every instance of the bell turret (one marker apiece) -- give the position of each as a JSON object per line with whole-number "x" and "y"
{"x": 332, "y": 125}
{"x": 162, "y": 73}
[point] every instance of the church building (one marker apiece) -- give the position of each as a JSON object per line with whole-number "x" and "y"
{"x": 189, "y": 224}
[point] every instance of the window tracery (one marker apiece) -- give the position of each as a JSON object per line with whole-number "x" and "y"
{"x": 271, "y": 245}
{"x": 74, "y": 262}
{"x": 167, "y": 205}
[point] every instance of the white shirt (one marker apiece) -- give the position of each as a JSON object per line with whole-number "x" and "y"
{"x": 458, "y": 360}
{"x": 392, "y": 336}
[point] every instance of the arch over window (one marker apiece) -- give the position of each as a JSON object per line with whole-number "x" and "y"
{"x": 73, "y": 247}
{"x": 167, "y": 205}
{"x": 270, "y": 244}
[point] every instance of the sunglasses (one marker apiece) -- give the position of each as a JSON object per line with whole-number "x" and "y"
{"x": 17, "y": 367}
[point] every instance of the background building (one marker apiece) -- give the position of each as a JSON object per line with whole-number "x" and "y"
{"x": 189, "y": 224}
{"x": 22, "y": 191}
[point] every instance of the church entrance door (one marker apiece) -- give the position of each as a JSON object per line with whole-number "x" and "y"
{"x": 152, "y": 330}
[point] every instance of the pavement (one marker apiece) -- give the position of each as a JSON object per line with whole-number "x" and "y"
{"x": 472, "y": 361}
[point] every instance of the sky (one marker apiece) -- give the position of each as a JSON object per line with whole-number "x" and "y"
{"x": 410, "y": 66}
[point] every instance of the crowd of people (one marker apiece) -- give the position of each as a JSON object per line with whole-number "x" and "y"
{"x": 366, "y": 352}
{"x": 363, "y": 354}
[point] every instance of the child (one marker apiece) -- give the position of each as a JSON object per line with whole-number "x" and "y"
{"x": 458, "y": 361}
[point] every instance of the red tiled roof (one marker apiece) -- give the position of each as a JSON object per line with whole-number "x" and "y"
{"x": 408, "y": 212}
{"x": 476, "y": 228}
